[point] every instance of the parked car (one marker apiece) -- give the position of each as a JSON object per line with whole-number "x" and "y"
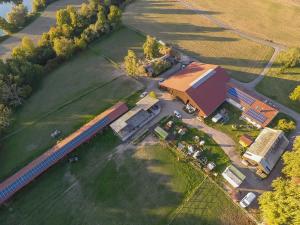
{"x": 143, "y": 94}
{"x": 247, "y": 200}
{"x": 217, "y": 118}
{"x": 190, "y": 109}
{"x": 177, "y": 114}
{"x": 160, "y": 81}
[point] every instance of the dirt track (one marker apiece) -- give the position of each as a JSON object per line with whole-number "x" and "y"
{"x": 35, "y": 29}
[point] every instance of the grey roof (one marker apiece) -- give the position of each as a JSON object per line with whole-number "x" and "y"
{"x": 132, "y": 117}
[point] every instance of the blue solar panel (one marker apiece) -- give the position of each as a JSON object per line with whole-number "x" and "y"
{"x": 241, "y": 96}
{"x": 64, "y": 150}
{"x": 256, "y": 115}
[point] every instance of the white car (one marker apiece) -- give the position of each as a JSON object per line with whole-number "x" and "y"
{"x": 143, "y": 94}
{"x": 247, "y": 200}
{"x": 177, "y": 114}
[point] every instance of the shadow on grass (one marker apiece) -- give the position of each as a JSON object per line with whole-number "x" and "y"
{"x": 109, "y": 186}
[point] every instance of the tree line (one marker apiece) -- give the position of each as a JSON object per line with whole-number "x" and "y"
{"x": 290, "y": 59}
{"x": 75, "y": 29}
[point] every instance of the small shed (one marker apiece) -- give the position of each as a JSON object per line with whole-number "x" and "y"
{"x": 161, "y": 133}
{"x": 233, "y": 176}
{"x": 246, "y": 140}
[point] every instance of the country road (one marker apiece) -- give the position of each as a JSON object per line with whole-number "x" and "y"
{"x": 37, "y": 28}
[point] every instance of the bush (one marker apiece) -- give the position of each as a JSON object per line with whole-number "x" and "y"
{"x": 286, "y": 126}
{"x": 160, "y": 66}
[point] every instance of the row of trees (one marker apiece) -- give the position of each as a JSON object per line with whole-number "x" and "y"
{"x": 282, "y": 205}
{"x": 74, "y": 30}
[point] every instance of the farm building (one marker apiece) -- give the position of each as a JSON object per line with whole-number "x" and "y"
{"x": 132, "y": 121}
{"x": 255, "y": 110}
{"x": 267, "y": 149}
{"x": 206, "y": 87}
{"x": 201, "y": 85}
{"x": 233, "y": 176}
{"x": 23, "y": 177}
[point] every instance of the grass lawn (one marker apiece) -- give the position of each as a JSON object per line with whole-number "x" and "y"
{"x": 277, "y": 20}
{"x": 67, "y": 98}
{"x": 198, "y": 37}
{"x": 242, "y": 127}
{"x": 278, "y": 86}
{"x": 207, "y": 202}
{"x": 110, "y": 185}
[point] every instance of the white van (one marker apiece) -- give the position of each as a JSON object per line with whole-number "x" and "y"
{"x": 247, "y": 200}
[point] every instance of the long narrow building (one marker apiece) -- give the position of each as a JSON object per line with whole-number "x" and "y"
{"x": 23, "y": 177}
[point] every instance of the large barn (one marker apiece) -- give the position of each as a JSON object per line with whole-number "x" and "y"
{"x": 24, "y": 176}
{"x": 201, "y": 85}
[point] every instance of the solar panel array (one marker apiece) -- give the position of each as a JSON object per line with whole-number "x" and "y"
{"x": 52, "y": 159}
{"x": 241, "y": 96}
{"x": 256, "y": 115}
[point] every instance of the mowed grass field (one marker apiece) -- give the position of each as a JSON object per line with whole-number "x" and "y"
{"x": 278, "y": 85}
{"x": 113, "y": 184}
{"x": 68, "y": 97}
{"x": 197, "y": 36}
{"x": 277, "y": 20}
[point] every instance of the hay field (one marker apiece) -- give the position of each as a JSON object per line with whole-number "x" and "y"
{"x": 198, "y": 37}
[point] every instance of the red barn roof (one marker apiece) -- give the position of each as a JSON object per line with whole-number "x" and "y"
{"x": 204, "y": 84}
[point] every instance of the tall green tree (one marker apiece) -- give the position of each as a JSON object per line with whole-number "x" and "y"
{"x": 290, "y": 58}
{"x": 295, "y": 94}
{"x": 4, "y": 117}
{"x": 38, "y": 5}
{"x": 151, "y": 48}
{"x": 286, "y": 126}
{"x": 131, "y": 63}
{"x": 17, "y": 16}
{"x": 114, "y": 16}
{"x": 281, "y": 206}
{"x": 63, "y": 47}
{"x": 63, "y": 17}
{"x": 292, "y": 160}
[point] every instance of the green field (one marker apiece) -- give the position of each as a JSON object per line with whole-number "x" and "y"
{"x": 116, "y": 185}
{"x": 67, "y": 98}
{"x": 278, "y": 85}
{"x": 277, "y": 20}
{"x": 198, "y": 37}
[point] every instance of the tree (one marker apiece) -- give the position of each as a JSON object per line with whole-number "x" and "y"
{"x": 17, "y": 16}
{"x": 38, "y": 5}
{"x": 295, "y": 94}
{"x": 63, "y": 17}
{"x": 151, "y": 48}
{"x": 292, "y": 160}
{"x": 131, "y": 63}
{"x": 152, "y": 94}
{"x": 286, "y": 126}
{"x": 281, "y": 206}
{"x": 63, "y": 47}
{"x": 4, "y": 25}
{"x": 290, "y": 58}
{"x": 4, "y": 117}
{"x": 25, "y": 50}
{"x": 114, "y": 16}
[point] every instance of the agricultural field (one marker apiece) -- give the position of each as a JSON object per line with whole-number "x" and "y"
{"x": 197, "y": 36}
{"x": 118, "y": 184}
{"x": 277, "y": 20}
{"x": 67, "y": 98}
{"x": 278, "y": 85}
